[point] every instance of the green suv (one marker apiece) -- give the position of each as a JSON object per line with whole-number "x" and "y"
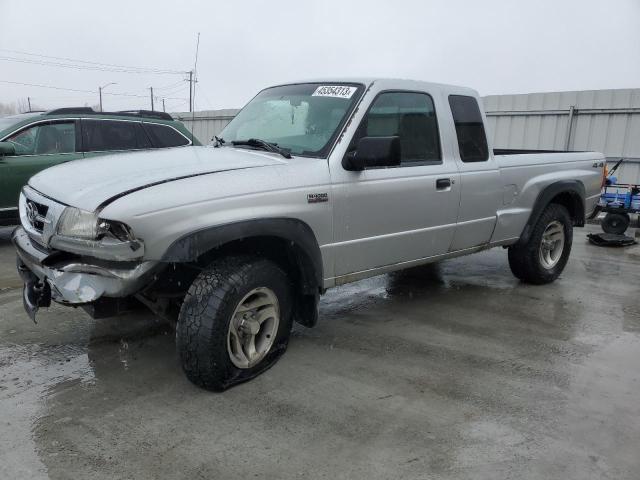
{"x": 33, "y": 141}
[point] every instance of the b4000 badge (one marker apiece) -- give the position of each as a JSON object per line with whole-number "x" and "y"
{"x": 317, "y": 197}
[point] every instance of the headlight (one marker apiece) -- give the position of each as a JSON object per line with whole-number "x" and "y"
{"x": 81, "y": 224}
{"x": 84, "y": 233}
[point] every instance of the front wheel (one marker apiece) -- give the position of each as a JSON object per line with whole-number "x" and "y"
{"x": 234, "y": 322}
{"x": 543, "y": 258}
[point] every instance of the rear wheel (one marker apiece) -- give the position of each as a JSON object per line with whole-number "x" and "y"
{"x": 544, "y": 256}
{"x": 235, "y": 322}
{"x": 615, "y": 223}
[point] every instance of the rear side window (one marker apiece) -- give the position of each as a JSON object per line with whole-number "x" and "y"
{"x": 163, "y": 136}
{"x": 472, "y": 141}
{"x": 410, "y": 116}
{"x": 107, "y": 135}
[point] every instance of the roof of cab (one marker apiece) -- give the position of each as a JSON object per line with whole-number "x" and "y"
{"x": 389, "y": 82}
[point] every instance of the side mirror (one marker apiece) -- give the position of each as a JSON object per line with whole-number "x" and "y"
{"x": 373, "y": 152}
{"x": 7, "y": 149}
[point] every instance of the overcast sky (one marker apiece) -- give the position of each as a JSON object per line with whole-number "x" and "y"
{"x": 494, "y": 46}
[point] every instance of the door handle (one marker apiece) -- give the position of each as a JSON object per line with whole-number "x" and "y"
{"x": 443, "y": 183}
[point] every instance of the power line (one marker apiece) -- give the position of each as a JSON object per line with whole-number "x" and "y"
{"x": 46, "y": 86}
{"x": 88, "y": 63}
{"x": 200, "y": 89}
{"x": 47, "y": 63}
{"x": 121, "y": 94}
{"x": 173, "y": 85}
{"x": 175, "y": 91}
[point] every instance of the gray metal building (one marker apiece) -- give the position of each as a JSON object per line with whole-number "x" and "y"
{"x": 607, "y": 121}
{"x": 207, "y": 123}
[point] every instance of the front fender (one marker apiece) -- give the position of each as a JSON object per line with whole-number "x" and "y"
{"x": 192, "y": 246}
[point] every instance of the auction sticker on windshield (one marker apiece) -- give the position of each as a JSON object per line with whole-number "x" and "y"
{"x": 338, "y": 91}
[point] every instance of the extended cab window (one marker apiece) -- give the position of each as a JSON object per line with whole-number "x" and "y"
{"x": 163, "y": 136}
{"x": 45, "y": 139}
{"x": 409, "y": 115}
{"x": 472, "y": 141}
{"x": 107, "y": 135}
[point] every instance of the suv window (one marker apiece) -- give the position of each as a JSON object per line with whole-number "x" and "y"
{"x": 45, "y": 139}
{"x": 163, "y": 136}
{"x": 412, "y": 117}
{"x": 106, "y": 135}
{"x": 472, "y": 140}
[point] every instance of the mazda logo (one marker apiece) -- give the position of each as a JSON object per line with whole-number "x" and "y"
{"x": 32, "y": 212}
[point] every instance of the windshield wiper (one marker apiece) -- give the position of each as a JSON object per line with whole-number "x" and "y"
{"x": 268, "y": 146}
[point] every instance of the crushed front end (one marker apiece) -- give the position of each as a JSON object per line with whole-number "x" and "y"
{"x": 73, "y": 257}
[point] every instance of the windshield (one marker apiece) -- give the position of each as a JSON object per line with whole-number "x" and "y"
{"x": 303, "y": 118}
{"x": 11, "y": 120}
{"x": 6, "y": 122}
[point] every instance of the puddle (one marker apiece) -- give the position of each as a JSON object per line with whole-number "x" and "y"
{"x": 27, "y": 374}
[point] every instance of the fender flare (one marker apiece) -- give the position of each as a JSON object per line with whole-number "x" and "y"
{"x": 190, "y": 247}
{"x": 574, "y": 188}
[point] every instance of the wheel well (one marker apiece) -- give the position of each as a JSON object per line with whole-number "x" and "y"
{"x": 292, "y": 258}
{"x": 574, "y": 205}
{"x": 569, "y": 194}
{"x": 176, "y": 278}
{"x": 289, "y": 256}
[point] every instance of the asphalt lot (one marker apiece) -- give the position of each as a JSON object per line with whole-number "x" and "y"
{"x": 453, "y": 371}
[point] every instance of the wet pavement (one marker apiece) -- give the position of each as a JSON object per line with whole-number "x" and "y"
{"x": 452, "y": 371}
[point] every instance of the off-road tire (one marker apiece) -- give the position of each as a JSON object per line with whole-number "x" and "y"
{"x": 524, "y": 259}
{"x": 203, "y": 322}
{"x": 615, "y": 223}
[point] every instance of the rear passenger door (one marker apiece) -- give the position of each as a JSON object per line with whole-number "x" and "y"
{"x": 112, "y": 136}
{"x": 388, "y": 216}
{"x": 481, "y": 190}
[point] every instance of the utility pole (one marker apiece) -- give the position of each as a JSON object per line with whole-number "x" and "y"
{"x": 151, "y": 88}
{"x": 163, "y": 109}
{"x": 29, "y": 102}
{"x": 100, "y": 91}
{"x": 191, "y": 91}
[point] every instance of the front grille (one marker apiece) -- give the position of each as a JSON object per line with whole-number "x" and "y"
{"x": 36, "y": 213}
{"x": 39, "y": 215}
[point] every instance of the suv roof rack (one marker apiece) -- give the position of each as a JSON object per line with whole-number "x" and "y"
{"x": 69, "y": 110}
{"x": 146, "y": 113}
{"x": 126, "y": 113}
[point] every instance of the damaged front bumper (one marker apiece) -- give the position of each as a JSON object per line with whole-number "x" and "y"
{"x": 73, "y": 280}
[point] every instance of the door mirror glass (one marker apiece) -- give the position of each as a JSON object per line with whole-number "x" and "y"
{"x": 7, "y": 149}
{"x": 372, "y": 152}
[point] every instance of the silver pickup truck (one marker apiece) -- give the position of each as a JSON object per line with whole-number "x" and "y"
{"x": 311, "y": 185}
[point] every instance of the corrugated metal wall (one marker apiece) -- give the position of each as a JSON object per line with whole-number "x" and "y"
{"x": 207, "y": 123}
{"x": 607, "y": 121}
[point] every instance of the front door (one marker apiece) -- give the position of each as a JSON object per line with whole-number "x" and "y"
{"x": 37, "y": 147}
{"x": 389, "y": 216}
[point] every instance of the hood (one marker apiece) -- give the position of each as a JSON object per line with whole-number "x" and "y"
{"x": 94, "y": 182}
